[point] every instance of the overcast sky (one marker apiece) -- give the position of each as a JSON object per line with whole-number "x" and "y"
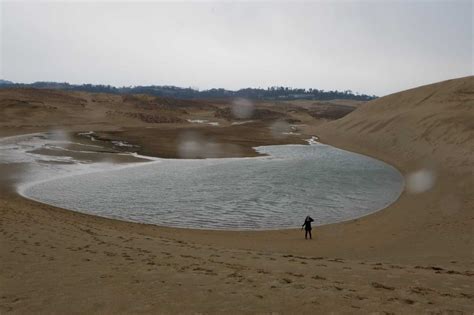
{"x": 366, "y": 46}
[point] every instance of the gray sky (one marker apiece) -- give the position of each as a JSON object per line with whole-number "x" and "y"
{"x": 366, "y": 46}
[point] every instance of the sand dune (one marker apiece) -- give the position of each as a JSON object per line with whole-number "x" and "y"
{"x": 426, "y": 132}
{"x": 432, "y": 125}
{"x": 414, "y": 256}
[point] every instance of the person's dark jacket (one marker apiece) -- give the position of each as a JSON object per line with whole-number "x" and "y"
{"x": 307, "y": 223}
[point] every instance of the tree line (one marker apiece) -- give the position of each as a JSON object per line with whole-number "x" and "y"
{"x": 270, "y": 93}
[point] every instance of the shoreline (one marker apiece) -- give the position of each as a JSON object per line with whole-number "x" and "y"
{"x": 277, "y": 259}
{"x": 122, "y": 165}
{"x": 331, "y": 227}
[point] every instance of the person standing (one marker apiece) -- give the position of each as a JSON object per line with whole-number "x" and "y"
{"x": 307, "y": 227}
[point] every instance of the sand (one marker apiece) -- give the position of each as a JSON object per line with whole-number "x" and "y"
{"x": 415, "y": 256}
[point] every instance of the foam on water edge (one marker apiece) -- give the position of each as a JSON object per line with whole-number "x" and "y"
{"x": 44, "y": 168}
{"x": 17, "y": 149}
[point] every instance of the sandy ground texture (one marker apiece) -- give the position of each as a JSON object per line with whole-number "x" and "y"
{"x": 416, "y": 256}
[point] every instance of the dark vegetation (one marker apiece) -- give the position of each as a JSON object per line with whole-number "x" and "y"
{"x": 271, "y": 93}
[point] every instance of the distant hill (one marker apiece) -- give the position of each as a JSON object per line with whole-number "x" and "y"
{"x": 271, "y": 93}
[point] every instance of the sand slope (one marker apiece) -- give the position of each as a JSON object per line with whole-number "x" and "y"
{"x": 432, "y": 125}
{"x": 414, "y": 256}
{"x": 429, "y": 128}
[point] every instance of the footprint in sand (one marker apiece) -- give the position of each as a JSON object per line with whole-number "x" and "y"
{"x": 286, "y": 281}
{"x": 406, "y": 301}
{"x": 295, "y": 274}
{"x": 378, "y": 285}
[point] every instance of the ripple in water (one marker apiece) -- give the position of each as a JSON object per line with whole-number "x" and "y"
{"x": 271, "y": 192}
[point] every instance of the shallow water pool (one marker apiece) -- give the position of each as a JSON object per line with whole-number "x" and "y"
{"x": 272, "y": 192}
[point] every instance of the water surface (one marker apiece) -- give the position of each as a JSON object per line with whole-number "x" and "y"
{"x": 272, "y": 192}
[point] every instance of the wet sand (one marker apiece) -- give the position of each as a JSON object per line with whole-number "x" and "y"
{"x": 415, "y": 256}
